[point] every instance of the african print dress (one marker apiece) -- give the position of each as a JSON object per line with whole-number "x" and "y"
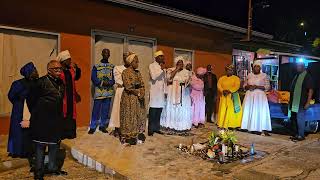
{"x": 132, "y": 105}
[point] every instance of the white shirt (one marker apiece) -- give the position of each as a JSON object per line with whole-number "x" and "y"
{"x": 117, "y": 72}
{"x": 157, "y": 82}
{"x": 261, "y": 79}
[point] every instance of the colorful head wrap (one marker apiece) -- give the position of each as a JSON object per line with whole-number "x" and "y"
{"x": 27, "y": 69}
{"x": 63, "y": 55}
{"x": 201, "y": 71}
{"x": 230, "y": 67}
{"x": 130, "y": 58}
{"x": 158, "y": 53}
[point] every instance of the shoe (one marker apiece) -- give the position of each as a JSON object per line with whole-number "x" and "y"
{"x": 298, "y": 138}
{"x": 293, "y": 137}
{"x": 38, "y": 179}
{"x": 58, "y": 173}
{"x": 131, "y": 141}
{"x": 141, "y": 137}
{"x": 103, "y": 129}
{"x": 150, "y": 133}
{"x": 63, "y": 173}
{"x": 91, "y": 131}
{"x": 267, "y": 134}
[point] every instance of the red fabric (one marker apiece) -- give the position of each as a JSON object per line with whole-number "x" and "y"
{"x": 65, "y": 94}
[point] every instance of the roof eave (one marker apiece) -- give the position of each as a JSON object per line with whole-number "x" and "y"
{"x": 187, "y": 16}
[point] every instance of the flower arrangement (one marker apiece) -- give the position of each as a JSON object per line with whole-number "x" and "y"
{"x": 221, "y": 147}
{"x": 226, "y": 137}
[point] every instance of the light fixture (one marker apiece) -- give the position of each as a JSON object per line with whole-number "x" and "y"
{"x": 301, "y": 59}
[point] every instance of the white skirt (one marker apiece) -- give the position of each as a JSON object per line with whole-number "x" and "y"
{"x": 115, "y": 112}
{"x": 256, "y": 114}
{"x": 177, "y": 116}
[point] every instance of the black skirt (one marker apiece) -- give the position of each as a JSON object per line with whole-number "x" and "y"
{"x": 69, "y": 128}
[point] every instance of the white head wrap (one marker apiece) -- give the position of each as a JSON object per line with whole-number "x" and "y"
{"x": 179, "y": 58}
{"x": 63, "y": 55}
{"x": 158, "y": 53}
{"x": 257, "y": 63}
{"x": 130, "y": 58}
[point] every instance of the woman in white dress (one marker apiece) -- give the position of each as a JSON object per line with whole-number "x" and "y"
{"x": 177, "y": 113}
{"x": 256, "y": 114}
{"x": 115, "y": 112}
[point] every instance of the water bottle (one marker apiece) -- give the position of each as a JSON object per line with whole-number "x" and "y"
{"x": 252, "y": 149}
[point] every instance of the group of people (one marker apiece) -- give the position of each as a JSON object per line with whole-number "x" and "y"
{"x": 253, "y": 113}
{"x": 44, "y": 113}
{"x": 179, "y": 99}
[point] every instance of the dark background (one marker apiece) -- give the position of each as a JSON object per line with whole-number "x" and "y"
{"x": 280, "y": 18}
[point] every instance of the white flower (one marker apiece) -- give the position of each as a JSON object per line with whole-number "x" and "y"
{"x": 222, "y": 132}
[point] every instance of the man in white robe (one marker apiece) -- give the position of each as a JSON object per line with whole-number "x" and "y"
{"x": 157, "y": 97}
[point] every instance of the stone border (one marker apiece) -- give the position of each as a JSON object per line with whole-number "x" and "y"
{"x": 13, "y": 164}
{"x": 92, "y": 163}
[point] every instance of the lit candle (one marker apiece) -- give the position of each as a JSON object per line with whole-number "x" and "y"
{"x": 236, "y": 148}
{"x": 224, "y": 149}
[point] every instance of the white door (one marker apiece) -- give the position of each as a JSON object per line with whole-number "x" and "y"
{"x": 144, "y": 50}
{"x": 116, "y": 47}
{"x": 18, "y": 48}
{"x": 114, "y": 44}
{"x": 118, "y": 44}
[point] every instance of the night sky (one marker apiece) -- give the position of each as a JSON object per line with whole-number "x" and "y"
{"x": 280, "y": 18}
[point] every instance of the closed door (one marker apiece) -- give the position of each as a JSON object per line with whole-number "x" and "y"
{"x": 144, "y": 50}
{"x": 18, "y": 48}
{"x": 186, "y": 54}
{"x": 118, "y": 44}
{"x": 114, "y": 44}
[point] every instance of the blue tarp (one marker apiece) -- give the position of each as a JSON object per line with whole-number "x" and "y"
{"x": 280, "y": 111}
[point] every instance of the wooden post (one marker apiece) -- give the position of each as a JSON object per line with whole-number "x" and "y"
{"x": 249, "y": 21}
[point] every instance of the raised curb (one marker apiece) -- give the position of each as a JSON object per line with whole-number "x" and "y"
{"x": 13, "y": 164}
{"x": 92, "y": 163}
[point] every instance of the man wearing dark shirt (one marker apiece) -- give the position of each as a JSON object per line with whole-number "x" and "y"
{"x": 210, "y": 92}
{"x": 46, "y": 119}
{"x": 300, "y": 96}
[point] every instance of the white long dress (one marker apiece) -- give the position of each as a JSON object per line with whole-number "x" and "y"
{"x": 256, "y": 114}
{"x": 177, "y": 112}
{"x": 115, "y": 112}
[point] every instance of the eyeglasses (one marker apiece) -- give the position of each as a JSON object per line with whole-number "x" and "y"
{"x": 56, "y": 69}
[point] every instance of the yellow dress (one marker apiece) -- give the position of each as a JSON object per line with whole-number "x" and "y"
{"x": 226, "y": 114}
